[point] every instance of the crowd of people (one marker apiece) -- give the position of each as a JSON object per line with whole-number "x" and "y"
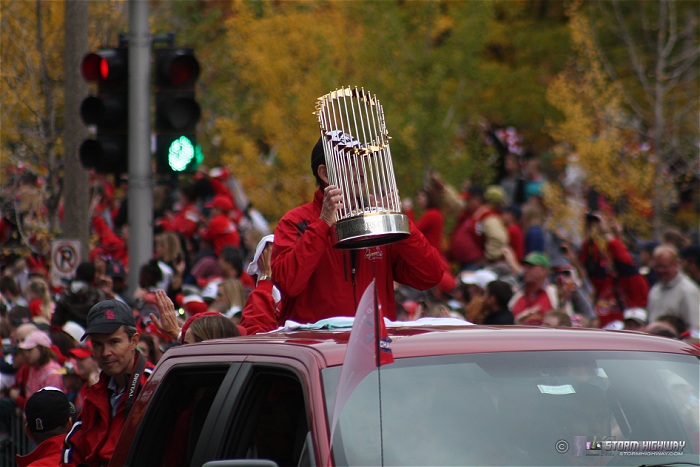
{"x": 483, "y": 254}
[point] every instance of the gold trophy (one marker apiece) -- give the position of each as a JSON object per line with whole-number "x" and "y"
{"x": 358, "y": 161}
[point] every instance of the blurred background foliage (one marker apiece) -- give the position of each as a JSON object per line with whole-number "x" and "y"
{"x": 446, "y": 72}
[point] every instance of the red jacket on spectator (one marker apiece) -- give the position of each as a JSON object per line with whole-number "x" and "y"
{"x": 95, "y": 433}
{"x": 110, "y": 244}
{"x": 431, "y": 225}
{"x": 185, "y": 222}
{"x": 46, "y": 454}
{"x": 516, "y": 239}
{"x": 615, "y": 278}
{"x": 467, "y": 240}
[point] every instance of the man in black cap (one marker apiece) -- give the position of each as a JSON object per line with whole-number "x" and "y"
{"x": 111, "y": 328}
{"x": 48, "y": 417}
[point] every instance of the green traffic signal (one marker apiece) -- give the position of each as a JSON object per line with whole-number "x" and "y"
{"x": 177, "y": 111}
{"x": 180, "y": 153}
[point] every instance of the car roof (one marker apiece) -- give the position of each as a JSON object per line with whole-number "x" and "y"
{"x": 329, "y": 346}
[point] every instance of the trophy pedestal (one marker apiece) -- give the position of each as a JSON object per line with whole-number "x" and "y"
{"x": 370, "y": 230}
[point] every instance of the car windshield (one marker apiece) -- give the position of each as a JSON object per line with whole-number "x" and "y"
{"x": 521, "y": 408}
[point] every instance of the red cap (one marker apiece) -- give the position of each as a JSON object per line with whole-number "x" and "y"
{"x": 194, "y": 318}
{"x": 194, "y": 305}
{"x": 81, "y": 352}
{"x": 222, "y": 202}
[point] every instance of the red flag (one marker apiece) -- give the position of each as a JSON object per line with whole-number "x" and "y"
{"x": 368, "y": 348}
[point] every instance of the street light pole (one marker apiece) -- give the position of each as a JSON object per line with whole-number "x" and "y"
{"x": 140, "y": 188}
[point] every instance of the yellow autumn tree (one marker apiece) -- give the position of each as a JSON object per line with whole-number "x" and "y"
{"x": 418, "y": 58}
{"x": 596, "y": 130}
{"x": 31, "y": 114}
{"x": 30, "y": 130}
{"x": 31, "y": 35}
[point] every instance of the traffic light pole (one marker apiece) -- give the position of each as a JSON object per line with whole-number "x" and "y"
{"x": 140, "y": 184}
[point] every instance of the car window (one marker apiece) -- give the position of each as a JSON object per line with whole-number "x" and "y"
{"x": 174, "y": 420}
{"x": 271, "y": 420}
{"x": 526, "y": 408}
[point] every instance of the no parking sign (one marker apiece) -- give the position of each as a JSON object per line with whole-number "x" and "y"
{"x": 65, "y": 257}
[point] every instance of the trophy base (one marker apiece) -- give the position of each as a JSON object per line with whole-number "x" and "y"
{"x": 370, "y": 230}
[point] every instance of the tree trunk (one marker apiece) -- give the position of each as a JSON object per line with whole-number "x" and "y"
{"x": 76, "y": 224}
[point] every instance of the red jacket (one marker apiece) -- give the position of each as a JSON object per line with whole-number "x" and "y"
{"x": 185, "y": 222}
{"x": 221, "y": 232}
{"x": 616, "y": 280}
{"x": 632, "y": 286}
{"x": 94, "y": 435}
{"x": 467, "y": 240}
{"x": 317, "y": 281}
{"x": 110, "y": 243}
{"x": 260, "y": 313}
{"x": 431, "y": 225}
{"x": 516, "y": 239}
{"x": 47, "y": 454}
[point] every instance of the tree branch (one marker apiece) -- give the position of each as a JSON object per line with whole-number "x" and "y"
{"x": 632, "y": 50}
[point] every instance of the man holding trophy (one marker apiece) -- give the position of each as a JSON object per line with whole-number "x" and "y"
{"x": 328, "y": 251}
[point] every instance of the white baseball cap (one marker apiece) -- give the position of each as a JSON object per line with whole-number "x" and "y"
{"x": 209, "y": 291}
{"x": 74, "y": 330}
{"x": 637, "y": 314}
{"x": 480, "y": 278}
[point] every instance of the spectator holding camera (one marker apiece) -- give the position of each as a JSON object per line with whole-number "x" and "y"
{"x": 617, "y": 283}
{"x": 572, "y": 299}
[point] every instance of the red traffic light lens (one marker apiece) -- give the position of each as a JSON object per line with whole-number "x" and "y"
{"x": 183, "y": 70}
{"x": 94, "y": 68}
{"x": 106, "y": 66}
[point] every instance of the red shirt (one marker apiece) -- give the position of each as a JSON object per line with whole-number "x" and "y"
{"x": 525, "y": 301}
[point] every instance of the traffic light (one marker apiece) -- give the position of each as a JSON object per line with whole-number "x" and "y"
{"x": 108, "y": 110}
{"x": 177, "y": 111}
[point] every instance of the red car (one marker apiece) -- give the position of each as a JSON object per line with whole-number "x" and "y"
{"x": 464, "y": 395}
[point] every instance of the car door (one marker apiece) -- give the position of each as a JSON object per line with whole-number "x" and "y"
{"x": 187, "y": 400}
{"x": 265, "y": 416}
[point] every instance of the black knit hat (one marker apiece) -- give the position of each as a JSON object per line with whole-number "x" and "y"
{"x": 318, "y": 157}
